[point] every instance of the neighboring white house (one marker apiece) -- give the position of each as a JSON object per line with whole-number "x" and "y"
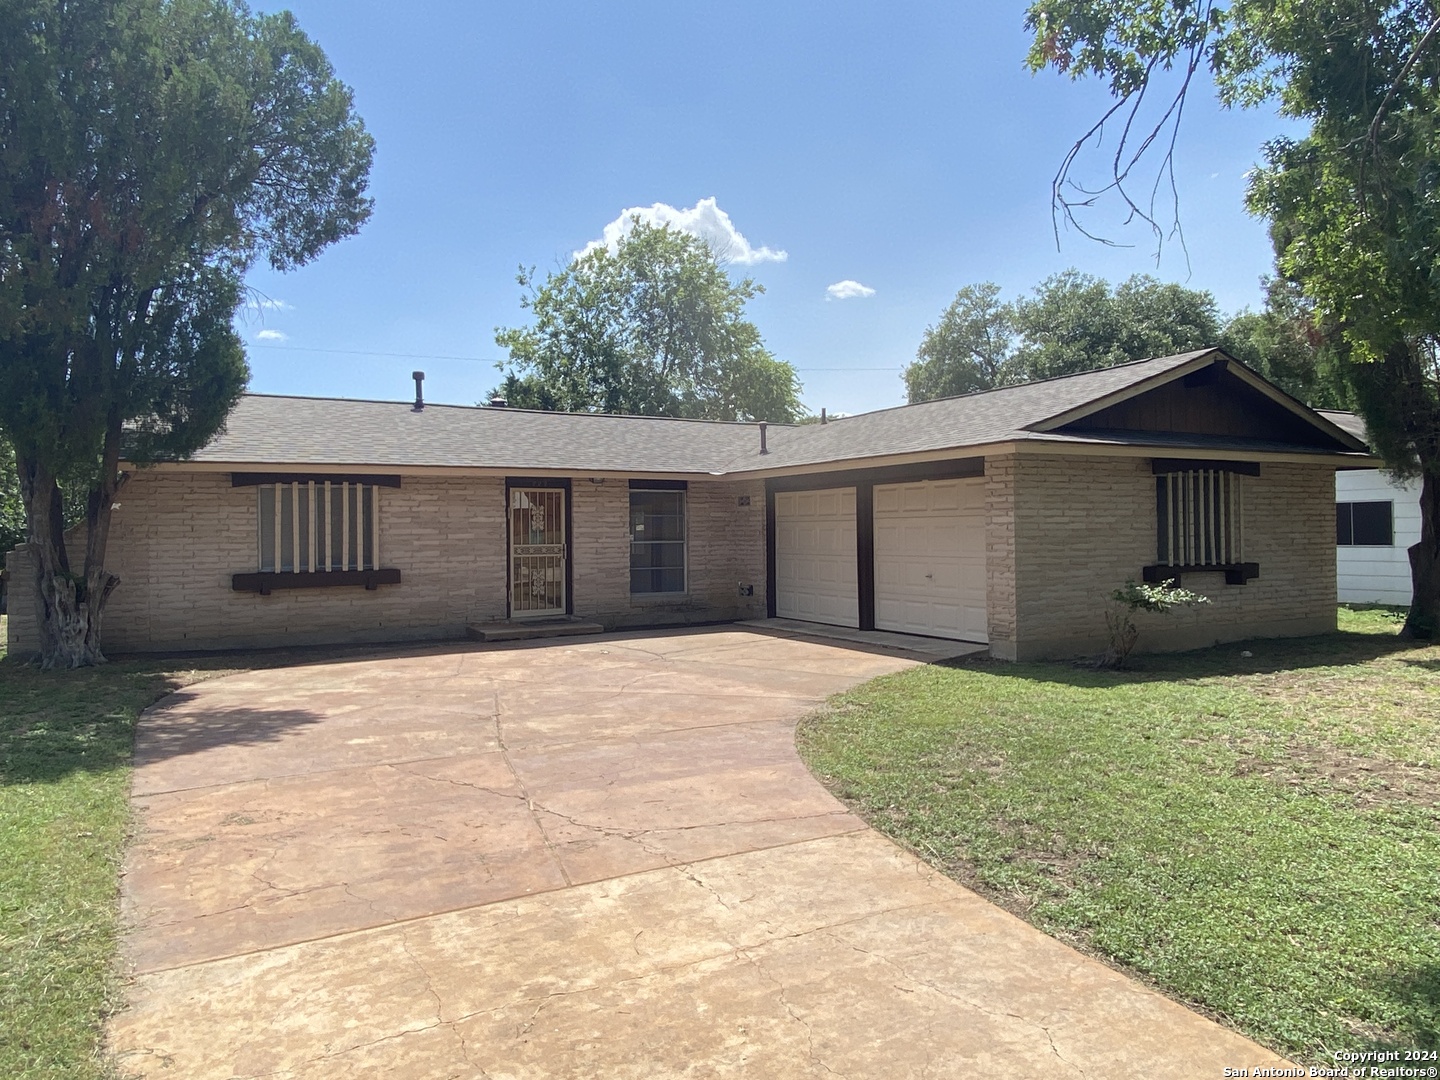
{"x": 1376, "y": 519}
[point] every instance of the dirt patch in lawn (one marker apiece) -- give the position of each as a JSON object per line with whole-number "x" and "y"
{"x": 1369, "y": 781}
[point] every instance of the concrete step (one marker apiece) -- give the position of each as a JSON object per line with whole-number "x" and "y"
{"x": 525, "y": 629}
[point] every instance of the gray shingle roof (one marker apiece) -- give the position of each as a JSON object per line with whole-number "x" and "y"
{"x": 1345, "y": 421}
{"x": 267, "y": 430}
{"x": 992, "y": 416}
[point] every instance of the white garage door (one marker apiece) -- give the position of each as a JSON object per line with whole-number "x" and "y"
{"x": 815, "y": 556}
{"x": 930, "y": 558}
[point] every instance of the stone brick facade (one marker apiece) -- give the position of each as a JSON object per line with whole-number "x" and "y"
{"x": 178, "y": 537}
{"x": 725, "y": 550}
{"x": 1066, "y": 531}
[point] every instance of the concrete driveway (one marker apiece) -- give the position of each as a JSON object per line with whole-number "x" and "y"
{"x": 577, "y": 859}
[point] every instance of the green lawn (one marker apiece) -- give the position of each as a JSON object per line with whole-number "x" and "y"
{"x": 1257, "y": 836}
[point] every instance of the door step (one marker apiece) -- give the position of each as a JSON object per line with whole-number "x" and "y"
{"x": 524, "y": 630}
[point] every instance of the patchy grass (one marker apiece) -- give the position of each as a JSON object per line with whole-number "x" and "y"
{"x": 1258, "y": 836}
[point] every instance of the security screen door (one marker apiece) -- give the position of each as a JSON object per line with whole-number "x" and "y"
{"x": 537, "y": 552}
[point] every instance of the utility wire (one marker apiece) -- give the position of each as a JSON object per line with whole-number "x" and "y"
{"x": 476, "y": 359}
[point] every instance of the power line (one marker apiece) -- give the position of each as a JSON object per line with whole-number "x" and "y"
{"x": 477, "y": 359}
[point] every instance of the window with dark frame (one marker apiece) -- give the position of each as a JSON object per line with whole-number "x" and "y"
{"x": 313, "y": 527}
{"x": 1365, "y": 524}
{"x": 1200, "y": 518}
{"x": 657, "y": 541}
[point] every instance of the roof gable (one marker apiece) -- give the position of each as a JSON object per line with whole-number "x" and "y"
{"x": 1214, "y": 395}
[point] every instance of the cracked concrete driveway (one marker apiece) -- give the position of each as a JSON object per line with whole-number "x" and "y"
{"x": 596, "y": 859}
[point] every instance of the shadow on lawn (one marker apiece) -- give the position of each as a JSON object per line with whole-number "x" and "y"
{"x": 1421, "y": 991}
{"x": 1417, "y": 995}
{"x": 55, "y": 724}
{"x": 1268, "y": 656}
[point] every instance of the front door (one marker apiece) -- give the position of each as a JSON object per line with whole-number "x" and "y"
{"x": 537, "y": 552}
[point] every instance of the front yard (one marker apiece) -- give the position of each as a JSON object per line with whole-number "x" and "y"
{"x": 1257, "y": 836}
{"x": 65, "y": 745}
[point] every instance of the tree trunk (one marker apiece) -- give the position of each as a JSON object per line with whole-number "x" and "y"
{"x": 69, "y": 605}
{"x": 1423, "y": 623}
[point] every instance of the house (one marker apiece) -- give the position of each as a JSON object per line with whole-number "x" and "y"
{"x": 1377, "y": 519}
{"x": 1005, "y": 517}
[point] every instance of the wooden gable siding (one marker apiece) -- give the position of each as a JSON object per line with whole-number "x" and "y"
{"x": 1212, "y": 401}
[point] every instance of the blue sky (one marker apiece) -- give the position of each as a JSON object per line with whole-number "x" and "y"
{"x": 900, "y": 146}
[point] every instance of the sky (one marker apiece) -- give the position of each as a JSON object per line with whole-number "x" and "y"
{"x": 863, "y": 162}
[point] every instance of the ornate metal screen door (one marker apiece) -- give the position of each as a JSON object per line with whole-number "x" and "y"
{"x": 537, "y": 552}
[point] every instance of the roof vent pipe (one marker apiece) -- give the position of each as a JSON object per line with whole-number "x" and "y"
{"x": 823, "y": 419}
{"x": 498, "y": 401}
{"x": 419, "y": 377}
{"x": 763, "y": 450}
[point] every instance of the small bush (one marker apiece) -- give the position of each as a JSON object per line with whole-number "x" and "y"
{"x": 1125, "y": 602}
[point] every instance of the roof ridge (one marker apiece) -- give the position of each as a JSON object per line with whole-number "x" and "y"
{"x": 513, "y": 409}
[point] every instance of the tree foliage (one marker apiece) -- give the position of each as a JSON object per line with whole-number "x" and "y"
{"x": 654, "y": 327}
{"x": 12, "y": 508}
{"x": 971, "y": 348}
{"x": 1354, "y": 204}
{"x": 150, "y": 152}
{"x": 1070, "y": 322}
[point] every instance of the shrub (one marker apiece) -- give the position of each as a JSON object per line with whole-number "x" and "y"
{"x": 1125, "y": 602}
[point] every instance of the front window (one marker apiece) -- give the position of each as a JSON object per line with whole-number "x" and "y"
{"x": 657, "y": 541}
{"x": 316, "y": 527}
{"x": 1200, "y": 517}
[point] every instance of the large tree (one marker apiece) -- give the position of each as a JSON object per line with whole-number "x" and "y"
{"x": 971, "y": 348}
{"x": 150, "y": 152}
{"x": 654, "y": 326}
{"x": 1354, "y": 204}
{"x": 1070, "y": 322}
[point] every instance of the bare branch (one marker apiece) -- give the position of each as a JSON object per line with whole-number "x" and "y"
{"x": 1130, "y": 151}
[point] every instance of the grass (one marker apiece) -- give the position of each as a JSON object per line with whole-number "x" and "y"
{"x": 65, "y": 747}
{"x": 1255, "y": 835}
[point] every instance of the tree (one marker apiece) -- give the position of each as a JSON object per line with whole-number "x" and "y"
{"x": 971, "y": 348}
{"x": 1070, "y": 322}
{"x": 150, "y": 152}
{"x": 1352, "y": 205}
{"x": 653, "y": 327}
{"x": 1075, "y": 322}
{"x": 1282, "y": 343}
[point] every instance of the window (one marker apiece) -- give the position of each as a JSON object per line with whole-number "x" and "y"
{"x": 1200, "y": 518}
{"x": 318, "y": 526}
{"x": 1365, "y": 524}
{"x": 657, "y": 541}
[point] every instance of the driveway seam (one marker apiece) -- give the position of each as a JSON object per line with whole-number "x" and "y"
{"x": 412, "y": 919}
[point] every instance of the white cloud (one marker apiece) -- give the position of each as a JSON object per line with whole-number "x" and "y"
{"x": 271, "y": 335}
{"x": 848, "y": 290}
{"x": 267, "y": 303}
{"x": 705, "y": 219}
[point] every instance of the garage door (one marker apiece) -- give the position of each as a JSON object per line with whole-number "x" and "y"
{"x": 815, "y": 556}
{"x": 930, "y": 558}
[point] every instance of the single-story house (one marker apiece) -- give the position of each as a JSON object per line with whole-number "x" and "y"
{"x": 1005, "y": 517}
{"x": 1377, "y": 519}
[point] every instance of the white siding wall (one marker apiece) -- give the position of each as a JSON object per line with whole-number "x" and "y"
{"x": 1378, "y": 575}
